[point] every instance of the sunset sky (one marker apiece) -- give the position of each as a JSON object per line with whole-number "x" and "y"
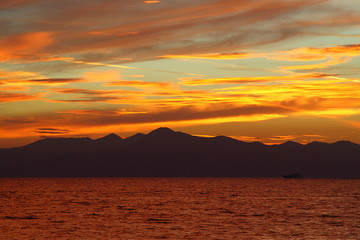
{"x": 254, "y": 70}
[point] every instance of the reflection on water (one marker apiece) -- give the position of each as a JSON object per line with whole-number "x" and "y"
{"x": 188, "y": 208}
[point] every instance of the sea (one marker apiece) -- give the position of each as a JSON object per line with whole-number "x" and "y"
{"x": 179, "y": 208}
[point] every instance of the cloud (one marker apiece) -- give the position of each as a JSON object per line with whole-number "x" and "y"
{"x": 92, "y": 112}
{"x": 15, "y": 3}
{"x": 150, "y": 2}
{"x": 15, "y": 97}
{"x": 6, "y": 75}
{"x": 169, "y": 96}
{"x": 89, "y": 95}
{"x": 14, "y": 88}
{"x": 52, "y": 131}
{"x": 26, "y": 46}
{"x": 185, "y": 114}
{"x": 309, "y": 103}
{"x": 327, "y": 64}
{"x": 141, "y": 84}
{"x": 333, "y": 56}
{"x": 127, "y": 67}
{"x": 241, "y": 80}
{"x": 52, "y": 81}
{"x": 32, "y": 78}
{"x": 312, "y": 53}
{"x": 89, "y": 91}
{"x": 102, "y": 76}
{"x": 101, "y": 112}
{"x": 192, "y": 27}
{"x": 217, "y": 56}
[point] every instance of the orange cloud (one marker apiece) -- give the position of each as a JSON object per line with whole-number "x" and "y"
{"x": 15, "y": 97}
{"x": 217, "y": 56}
{"x": 25, "y": 46}
{"x": 240, "y": 80}
{"x": 89, "y": 95}
{"x": 90, "y": 91}
{"x": 182, "y": 114}
{"x": 312, "y": 54}
{"x": 177, "y": 29}
{"x": 331, "y": 62}
{"x": 31, "y": 78}
{"x": 92, "y": 112}
{"x": 141, "y": 84}
{"x": 102, "y": 76}
{"x": 14, "y": 88}
{"x": 101, "y": 112}
{"x": 151, "y": 2}
{"x": 10, "y": 75}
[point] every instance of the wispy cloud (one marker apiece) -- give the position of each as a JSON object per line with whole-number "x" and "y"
{"x": 26, "y": 46}
{"x": 89, "y": 95}
{"x": 150, "y": 2}
{"x": 241, "y": 80}
{"x": 15, "y": 97}
{"x": 192, "y": 28}
{"x": 55, "y": 81}
{"x": 187, "y": 113}
{"x": 217, "y": 56}
{"x": 141, "y": 84}
{"x": 52, "y": 131}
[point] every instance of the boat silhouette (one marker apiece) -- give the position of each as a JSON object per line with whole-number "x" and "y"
{"x": 294, "y": 175}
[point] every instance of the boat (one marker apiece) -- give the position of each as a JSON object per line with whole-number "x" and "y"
{"x": 294, "y": 175}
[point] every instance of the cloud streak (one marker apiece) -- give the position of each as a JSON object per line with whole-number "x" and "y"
{"x": 192, "y": 28}
{"x": 15, "y": 97}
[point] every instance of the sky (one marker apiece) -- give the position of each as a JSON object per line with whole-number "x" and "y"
{"x": 255, "y": 70}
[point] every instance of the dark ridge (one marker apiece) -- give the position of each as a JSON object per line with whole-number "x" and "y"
{"x": 225, "y": 138}
{"x": 315, "y": 143}
{"x": 258, "y": 144}
{"x": 163, "y": 131}
{"x": 345, "y": 144}
{"x": 166, "y": 153}
{"x": 136, "y": 137}
{"x": 111, "y": 138}
{"x": 47, "y": 142}
{"x": 291, "y": 143}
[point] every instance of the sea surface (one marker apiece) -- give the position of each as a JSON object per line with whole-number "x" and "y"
{"x": 179, "y": 208}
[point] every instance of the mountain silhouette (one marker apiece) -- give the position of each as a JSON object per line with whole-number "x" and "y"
{"x": 167, "y": 153}
{"x": 111, "y": 139}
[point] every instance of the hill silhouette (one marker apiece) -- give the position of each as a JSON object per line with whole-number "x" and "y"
{"x": 167, "y": 153}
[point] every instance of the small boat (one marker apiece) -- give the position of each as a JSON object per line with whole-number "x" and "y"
{"x": 294, "y": 175}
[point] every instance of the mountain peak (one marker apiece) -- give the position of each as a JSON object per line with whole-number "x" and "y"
{"x": 291, "y": 143}
{"x": 163, "y": 131}
{"x": 110, "y": 138}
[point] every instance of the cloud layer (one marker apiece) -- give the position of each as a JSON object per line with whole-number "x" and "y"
{"x": 71, "y": 68}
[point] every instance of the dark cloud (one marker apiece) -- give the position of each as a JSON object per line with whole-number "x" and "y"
{"x": 56, "y": 80}
{"x": 52, "y": 131}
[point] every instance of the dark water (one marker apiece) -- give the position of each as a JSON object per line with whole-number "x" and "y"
{"x": 179, "y": 209}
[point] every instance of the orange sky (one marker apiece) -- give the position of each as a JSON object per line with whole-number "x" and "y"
{"x": 255, "y": 70}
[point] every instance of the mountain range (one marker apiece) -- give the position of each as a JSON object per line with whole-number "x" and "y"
{"x": 166, "y": 153}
